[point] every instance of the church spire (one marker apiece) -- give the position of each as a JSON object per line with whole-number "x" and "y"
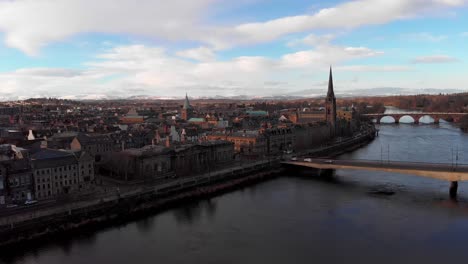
{"x": 330, "y": 106}
{"x": 187, "y": 103}
{"x": 330, "y": 93}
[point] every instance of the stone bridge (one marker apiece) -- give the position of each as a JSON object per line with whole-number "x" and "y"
{"x": 451, "y": 117}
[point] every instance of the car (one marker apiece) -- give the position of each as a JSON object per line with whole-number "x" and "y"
{"x": 308, "y": 160}
{"x": 30, "y": 202}
{"x": 294, "y": 159}
{"x": 11, "y": 205}
{"x": 328, "y": 161}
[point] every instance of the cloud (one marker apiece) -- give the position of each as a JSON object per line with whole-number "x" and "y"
{"x": 199, "y": 54}
{"x": 434, "y": 59}
{"x": 326, "y": 55}
{"x": 464, "y": 34}
{"x": 374, "y": 68}
{"x": 31, "y": 24}
{"x": 138, "y": 69}
{"x": 312, "y": 40}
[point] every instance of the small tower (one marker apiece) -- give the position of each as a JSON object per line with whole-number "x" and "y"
{"x": 187, "y": 109}
{"x": 330, "y": 106}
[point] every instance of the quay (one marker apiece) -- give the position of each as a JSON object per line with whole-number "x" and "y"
{"x": 33, "y": 225}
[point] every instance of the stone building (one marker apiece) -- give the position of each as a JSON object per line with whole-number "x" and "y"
{"x": 55, "y": 173}
{"x": 18, "y": 183}
{"x": 204, "y": 156}
{"x": 246, "y": 142}
{"x": 158, "y": 162}
{"x": 95, "y": 145}
{"x": 279, "y": 139}
{"x": 147, "y": 163}
{"x": 16, "y": 180}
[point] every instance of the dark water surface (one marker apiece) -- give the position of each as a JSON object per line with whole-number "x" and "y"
{"x": 358, "y": 217}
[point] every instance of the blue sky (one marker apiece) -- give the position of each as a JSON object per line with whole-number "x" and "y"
{"x": 117, "y": 48}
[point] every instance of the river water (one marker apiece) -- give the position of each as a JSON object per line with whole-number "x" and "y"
{"x": 357, "y": 217}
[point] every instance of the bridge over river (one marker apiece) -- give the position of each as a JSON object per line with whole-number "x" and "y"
{"x": 455, "y": 117}
{"x": 441, "y": 171}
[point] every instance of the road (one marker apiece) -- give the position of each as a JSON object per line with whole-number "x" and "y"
{"x": 442, "y": 171}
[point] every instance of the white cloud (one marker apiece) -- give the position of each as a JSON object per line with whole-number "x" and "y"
{"x": 434, "y": 59}
{"x": 312, "y": 40}
{"x": 199, "y": 54}
{"x": 464, "y": 34}
{"x": 31, "y": 24}
{"x": 326, "y": 55}
{"x": 138, "y": 69}
{"x": 347, "y": 15}
{"x": 374, "y": 68}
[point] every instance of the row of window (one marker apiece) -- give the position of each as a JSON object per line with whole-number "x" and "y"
{"x": 57, "y": 184}
{"x": 47, "y": 171}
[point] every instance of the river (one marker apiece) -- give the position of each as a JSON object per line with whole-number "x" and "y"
{"x": 358, "y": 217}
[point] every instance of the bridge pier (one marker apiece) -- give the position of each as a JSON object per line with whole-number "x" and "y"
{"x": 453, "y": 189}
{"x": 326, "y": 172}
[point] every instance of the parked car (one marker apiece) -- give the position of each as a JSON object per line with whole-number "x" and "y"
{"x": 308, "y": 160}
{"x": 328, "y": 161}
{"x": 30, "y": 202}
{"x": 294, "y": 159}
{"x": 11, "y": 205}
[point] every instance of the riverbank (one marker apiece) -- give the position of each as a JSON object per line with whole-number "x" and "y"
{"x": 121, "y": 208}
{"x": 131, "y": 207}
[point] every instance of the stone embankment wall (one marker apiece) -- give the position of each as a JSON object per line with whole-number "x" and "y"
{"x": 132, "y": 205}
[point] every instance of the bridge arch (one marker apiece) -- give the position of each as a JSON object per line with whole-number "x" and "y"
{"x": 408, "y": 119}
{"x": 388, "y": 119}
{"x": 427, "y": 119}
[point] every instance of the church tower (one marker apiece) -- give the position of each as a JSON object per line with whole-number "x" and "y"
{"x": 330, "y": 106}
{"x": 187, "y": 109}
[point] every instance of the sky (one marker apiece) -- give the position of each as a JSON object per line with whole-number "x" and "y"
{"x": 88, "y": 49}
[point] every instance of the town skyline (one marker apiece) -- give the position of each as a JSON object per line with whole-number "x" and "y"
{"x": 215, "y": 48}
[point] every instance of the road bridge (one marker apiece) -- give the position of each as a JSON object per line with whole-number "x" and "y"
{"x": 442, "y": 171}
{"x": 455, "y": 117}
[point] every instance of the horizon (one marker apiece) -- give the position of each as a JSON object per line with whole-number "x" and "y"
{"x": 79, "y": 49}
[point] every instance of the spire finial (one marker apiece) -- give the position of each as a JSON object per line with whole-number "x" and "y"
{"x": 330, "y": 83}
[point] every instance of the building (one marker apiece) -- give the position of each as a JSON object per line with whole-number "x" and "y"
{"x": 347, "y": 115}
{"x": 187, "y": 109}
{"x": 132, "y": 117}
{"x": 56, "y": 173}
{"x": 158, "y": 162}
{"x": 147, "y": 163}
{"x": 279, "y": 140}
{"x": 201, "y": 157}
{"x": 309, "y": 116}
{"x": 330, "y": 106}
{"x": 95, "y": 145}
{"x": 246, "y": 142}
{"x": 16, "y": 180}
